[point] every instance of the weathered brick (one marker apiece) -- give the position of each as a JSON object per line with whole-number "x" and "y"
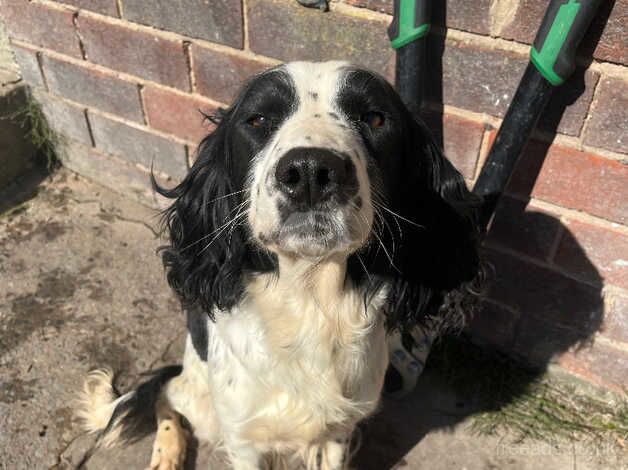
{"x": 65, "y": 118}
{"x": 41, "y": 25}
{"x": 599, "y": 363}
{"x": 494, "y": 324}
{"x": 605, "y": 38}
{"x": 217, "y": 21}
{"x": 524, "y": 228}
{"x": 458, "y": 14}
{"x": 134, "y": 52}
{"x": 286, "y": 31}
{"x": 616, "y": 320}
{"x": 29, "y": 67}
{"x": 540, "y": 342}
{"x": 607, "y": 34}
{"x": 112, "y": 172}
{"x": 474, "y": 78}
{"x": 594, "y": 253}
{"x": 523, "y": 23}
{"x": 463, "y": 14}
{"x": 382, "y": 6}
{"x": 93, "y": 88}
{"x": 545, "y": 294}
{"x": 177, "y": 114}
{"x": 609, "y": 116}
{"x": 106, "y": 7}
{"x": 138, "y": 146}
{"x": 569, "y": 104}
{"x": 573, "y": 179}
{"x": 219, "y": 75}
{"x": 461, "y": 137}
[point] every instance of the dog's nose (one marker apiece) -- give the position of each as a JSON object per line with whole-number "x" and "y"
{"x": 309, "y": 175}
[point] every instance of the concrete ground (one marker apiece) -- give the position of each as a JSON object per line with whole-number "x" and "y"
{"x": 81, "y": 286}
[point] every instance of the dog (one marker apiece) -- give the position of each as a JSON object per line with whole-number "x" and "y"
{"x": 318, "y": 216}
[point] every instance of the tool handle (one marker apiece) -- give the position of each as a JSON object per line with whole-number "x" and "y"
{"x": 564, "y": 25}
{"x": 410, "y": 22}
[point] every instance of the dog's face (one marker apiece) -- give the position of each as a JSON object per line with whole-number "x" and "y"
{"x": 313, "y": 139}
{"x": 315, "y": 159}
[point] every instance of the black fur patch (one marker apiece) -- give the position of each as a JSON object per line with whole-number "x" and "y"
{"x": 197, "y": 327}
{"x": 136, "y": 415}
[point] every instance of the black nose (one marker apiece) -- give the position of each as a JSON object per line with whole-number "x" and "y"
{"x": 310, "y": 175}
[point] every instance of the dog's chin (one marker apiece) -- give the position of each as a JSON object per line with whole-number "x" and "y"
{"x": 311, "y": 236}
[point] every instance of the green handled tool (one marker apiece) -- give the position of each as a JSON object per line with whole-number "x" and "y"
{"x": 552, "y": 61}
{"x": 407, "y": 34}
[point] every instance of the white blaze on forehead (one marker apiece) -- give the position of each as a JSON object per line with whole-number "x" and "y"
{"x": 317, "y": 84}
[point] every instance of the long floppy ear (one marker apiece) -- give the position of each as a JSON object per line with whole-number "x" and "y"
{"x": 206, "y": 254}
{"x": 437, "y": 238}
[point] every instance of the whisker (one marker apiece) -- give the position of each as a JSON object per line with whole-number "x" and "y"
{"x": 397, "y": 215}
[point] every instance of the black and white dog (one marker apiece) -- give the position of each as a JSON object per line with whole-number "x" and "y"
{"x": 318, "y": 216}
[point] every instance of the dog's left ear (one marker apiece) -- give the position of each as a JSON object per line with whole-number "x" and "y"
{"x": 437, "y": 250}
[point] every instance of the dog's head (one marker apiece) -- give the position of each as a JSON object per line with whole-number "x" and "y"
{"x": 315, "y": 159}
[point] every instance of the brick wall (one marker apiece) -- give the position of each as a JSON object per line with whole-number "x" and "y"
{"x": 123, "y": 81}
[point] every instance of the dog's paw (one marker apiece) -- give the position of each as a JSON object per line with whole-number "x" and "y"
{"x": 170, "y": 446}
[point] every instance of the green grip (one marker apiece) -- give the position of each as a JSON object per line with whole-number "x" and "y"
{"x": 554, "y": 50}
{"x": 410, "y": 22}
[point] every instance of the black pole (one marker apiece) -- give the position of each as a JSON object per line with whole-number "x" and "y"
{"x": 552, "y": 61}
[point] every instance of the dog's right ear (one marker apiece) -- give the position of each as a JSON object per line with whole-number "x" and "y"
{"x": 207, "y": 249}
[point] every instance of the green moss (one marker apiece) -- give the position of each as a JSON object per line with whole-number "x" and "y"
{"x": 509, "y": 397}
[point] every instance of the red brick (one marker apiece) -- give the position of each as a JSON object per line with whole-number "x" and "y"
{"x": 494, "y": 325}
{"x": 41, "y": 25}
{"x": 609, "y": 116}
{"x": 65, "y": 118}
{"x": 138, "y": 146}
{"x": 134, "y": 52}
{"x": 474, "y": 78}
{"x": 177, "y": 114}
{"x": 545, "y": 294}
{"x": 29, "y": 66}
{"x": 524, "y": 21}
{"x": 462, "y": 139}
{"x": 219, "y": 75}
{"x": 287, "y": 31}
{"x": 93, "y": 88}
{"x": 112, "y": 172}
{"x": 569, "y": 104}
{"x": 616, "y": 320}
{"x": 523, "y": 228}
{"x": 594, "y": 253}
{"x": 217, "y": 21}
{"x": 382, "y": 6}
{"x": 600, "y": 363}
{"x": 606, "y": 37}
{"x": 458, "y": 14}
{"x": 573, "y": 179}
{"x": 106, "y": 7}
{"x": 540, "y": 342}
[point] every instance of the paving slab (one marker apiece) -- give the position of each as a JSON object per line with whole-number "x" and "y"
{"x": 81, "y": 286}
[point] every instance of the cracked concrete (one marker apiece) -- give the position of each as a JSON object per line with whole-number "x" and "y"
{"x": 81, "y": 286}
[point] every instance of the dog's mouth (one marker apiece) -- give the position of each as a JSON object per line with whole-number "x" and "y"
{"x": 316, "y": 233}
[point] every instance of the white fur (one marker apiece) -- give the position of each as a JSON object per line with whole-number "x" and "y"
{"x": 297, "y": 364}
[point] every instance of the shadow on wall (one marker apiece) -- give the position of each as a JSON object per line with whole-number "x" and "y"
{"x": 532, "y": 312}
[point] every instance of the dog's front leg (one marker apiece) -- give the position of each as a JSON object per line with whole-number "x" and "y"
{"x": 331, "y": 455}
{"x": 244, "y": 457}
{"x": 171, "y": 440}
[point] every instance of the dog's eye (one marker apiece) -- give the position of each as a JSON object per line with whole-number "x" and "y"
{"x": 373, "y": 119}
{"x": 258, "y": 121}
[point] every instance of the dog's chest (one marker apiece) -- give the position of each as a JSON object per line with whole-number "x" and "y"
{"x": 296, "y": 367}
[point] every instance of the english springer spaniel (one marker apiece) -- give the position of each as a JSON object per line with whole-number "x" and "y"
{"x": 318, "y": 217}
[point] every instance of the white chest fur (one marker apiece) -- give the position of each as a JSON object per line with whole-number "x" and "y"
{"x": 302, "y": 358}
